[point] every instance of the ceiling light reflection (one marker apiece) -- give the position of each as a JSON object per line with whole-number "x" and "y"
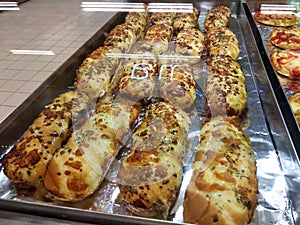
{"x": 31, "y": 52}
{"x": 5, "y": 6}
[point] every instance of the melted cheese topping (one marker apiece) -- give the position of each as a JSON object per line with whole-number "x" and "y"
{"x": 27, "y": 162}
{"x": 286, "y": 38}
{"x": 150, "y": 175}
{"x": 286, "y": 63}
{"x": 79, "y": 167}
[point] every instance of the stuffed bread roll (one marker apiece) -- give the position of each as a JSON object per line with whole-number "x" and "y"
{"x": 27, "y": 162}
{"x": 95, "y": 73}
{"x": 162, "y": 18}
{"x": 223, "y": 42}
{"x": 223, "y": 189}
{"x": 149, "y": 177}
{"x": 122, "y": 37}
{"x": 78, "y": 168}
{"x": 185, "y": 21}
{"x": 157, "y": 38}
{"x": 139, "y": 21}
{"x": 177, "y": 85}
{"x": 190, "y": 42}
{"x": 219, "y": 16}
{"x": 138, "y": 78}
{"x": 226, "y": 92}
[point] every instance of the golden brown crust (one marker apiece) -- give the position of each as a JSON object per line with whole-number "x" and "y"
{"x": 122, "y": 37}
{"x": 224, "y": 187}
{"x": 286, "y": 63}
{"x": 278, "y": 20}
{"x": 94, "y": 75}
{"x": 162, "y": 18}
{"x": 138, "y": 78}
{"x": 77, "y": 169}
{"x": 157, "y": 38}
{"x": 294, "y": 101}
{"x": 286, "y": 38}
{"x": 219, "y": 16}
{"x": 177, "y": 85}
{"x": 222, "y": 42}
{"x": 225, "y": 87}
{"x": 26, "y": 163}
{"x": 150, "y": 175}
{"x": 190, "y": 42}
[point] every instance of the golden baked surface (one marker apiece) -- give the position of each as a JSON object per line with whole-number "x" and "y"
{"x": 78, "y": 168}
{"x": 224, "y": 188}
{"x": 26, "y": 163}
{"x": 150, "y": 175}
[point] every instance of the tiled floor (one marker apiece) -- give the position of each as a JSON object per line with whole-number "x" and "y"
{"x": 45, "y": 25}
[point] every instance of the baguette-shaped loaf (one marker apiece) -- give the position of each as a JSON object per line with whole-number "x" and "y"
{"x": 162, "y": 18}
{"x": 150, "y": 175}
{"x": 177, "y": 85}
{"x": 225, "y": 87}
{"x": 122, "y": 37}
{"x": 223, "y": 189}
{"x": 95, "y": 73}
{"x": 138, "y": 20}
{"x": 27, "y": 162}
{"x": 190, "y": 42}
{"x": 186, "y": 20}
{"x": 219, "y": 16}
{"x": 138, "y": 78}
{"x": 157, "y": 38}
{"x": 222, "y": 42}
{"x": 78, "y": 168}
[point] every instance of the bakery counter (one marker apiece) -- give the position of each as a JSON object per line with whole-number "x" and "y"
{"x": 261, "y": 120}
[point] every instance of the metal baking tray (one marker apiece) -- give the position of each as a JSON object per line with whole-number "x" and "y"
{"x": 275, "y": 153}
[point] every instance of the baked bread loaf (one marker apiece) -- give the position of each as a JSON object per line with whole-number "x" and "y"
{"x": 219, "y": 16}
{"x": 149, "y": 177}
{"x": 122, "y": 37}
{"x": 225, "y": 90}
{"x": 177, "y": 85}
{"x": 138, "y": 79}
{"x": 139, "y": 21}
{"x": 185, "y": 21}
{"x": 162, "y": 18}
{"x": 223, "y": 42}
{"x": 94, "y": 75}
{"x": 294, "y": 101}
{"x": 190, "y": 42}
{"x": 77, "y": 169}
{"x": 223, "y": 189}
{"x": 27, "y": 162}
{"x": 157, "y": 39}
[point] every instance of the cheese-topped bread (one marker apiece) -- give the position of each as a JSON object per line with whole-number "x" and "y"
{"x": 94, "y": 75}
{"x": 177, "y": 85}
{"x": 223, "y": 189}
{"x": 222, "y": 41}
{"x": 121, "y": 36}
{"x": 27, "y": 162}
{"x": 149, "y": 177}
{"x": 78, "y": 168}
{"x": 138, "y": 79}
{"x": 219, "y": 16}
{"x": 190, "y": 42}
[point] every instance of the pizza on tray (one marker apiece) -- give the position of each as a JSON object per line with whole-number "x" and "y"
{"x": 276, "y": 19}
{"x": 286, "y": 63}
{"x": 286, "y": 38}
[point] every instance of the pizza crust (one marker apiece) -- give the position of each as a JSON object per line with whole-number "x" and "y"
{"x": 286, "y": 38}
{"x": 286, "y": 63}
{"x": 278, "y": 20}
